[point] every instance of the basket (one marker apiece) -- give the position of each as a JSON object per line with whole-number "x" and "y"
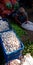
{"x": 8, "y": 26}
{"x": 12, "y": 55}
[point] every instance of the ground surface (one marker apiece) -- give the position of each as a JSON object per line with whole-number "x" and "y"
{"x": 25, "y": 36}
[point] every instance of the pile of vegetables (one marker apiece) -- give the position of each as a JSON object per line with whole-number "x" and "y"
{"x": 3, "y": 25}
{"x": 10, "y": 41}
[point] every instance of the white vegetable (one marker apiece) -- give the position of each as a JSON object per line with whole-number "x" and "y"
{"x": 15, "y": 62}
{"x": 10, "y": 41}
{"x": 3, "y": 25}
{"x": 28, "y": 60}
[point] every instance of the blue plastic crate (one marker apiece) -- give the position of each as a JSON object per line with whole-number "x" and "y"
{"x": 9, "y": 27}
{"x": 12, "y": 55}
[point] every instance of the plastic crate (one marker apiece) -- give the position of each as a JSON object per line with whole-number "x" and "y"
{"x": 8, "y": 26}
{"x": 13, "y": 55}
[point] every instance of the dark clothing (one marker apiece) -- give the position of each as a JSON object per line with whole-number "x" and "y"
{"x": 22, "y": 18}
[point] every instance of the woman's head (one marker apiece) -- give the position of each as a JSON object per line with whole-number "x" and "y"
{"x": 21, "y": 9}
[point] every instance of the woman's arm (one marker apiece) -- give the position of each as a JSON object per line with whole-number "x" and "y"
{"x": 16, "y": 18}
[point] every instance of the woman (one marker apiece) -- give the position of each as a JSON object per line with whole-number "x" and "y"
{"x": 20, "y": 16}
